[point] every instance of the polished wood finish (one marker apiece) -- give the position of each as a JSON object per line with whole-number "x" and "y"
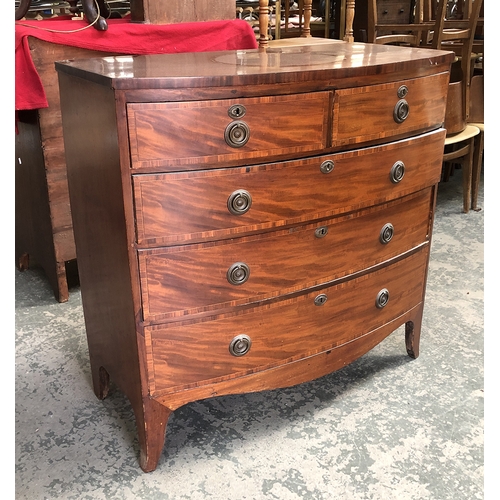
{"x": 157, "y": 235}
{"x": 426, "y": 100}
{"x": 283, "y": 332}
{"x": 303, "y": 260}
{"x": 158, "y": 131}
{"x": 44, "y": 228}
{"x": 162, "y": 217}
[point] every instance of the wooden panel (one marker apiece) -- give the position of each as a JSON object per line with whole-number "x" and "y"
{"x": 188, "y": 207}
{"x": 194, "y": 354}
{"x": 45, "y": 229}
{"x": 190, "y": 134}
{"x": 394, "y": 11}
{"x": 194, "y": 278}
{"x": 180, "y": 11}
{"x": 367, "y": 113}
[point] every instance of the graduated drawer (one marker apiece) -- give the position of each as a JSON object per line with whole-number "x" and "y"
{"x": 197, "y": 278}
{"x": 376, "y": 112}
{"x": 209, "y": 133}
{"x": 182, "y": 355}
{"x": 195, "y": 206}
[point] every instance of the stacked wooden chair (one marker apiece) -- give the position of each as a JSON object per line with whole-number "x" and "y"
{"x": 463, "y": 136}
{"x": 430, "y": 27}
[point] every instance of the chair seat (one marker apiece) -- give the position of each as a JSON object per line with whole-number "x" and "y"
{"x": 291, "y": 42}
{"x": 480, "y": 126}
{"x": 467, "y": 133}
{"x": 461, "y": 152}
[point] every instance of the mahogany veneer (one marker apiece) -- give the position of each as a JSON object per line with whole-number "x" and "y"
{"x": 249, "y": 220}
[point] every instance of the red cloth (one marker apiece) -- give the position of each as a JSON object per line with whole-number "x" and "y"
{"x": 121, "y": 37}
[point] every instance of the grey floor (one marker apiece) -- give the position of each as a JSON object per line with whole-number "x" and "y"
{"x": 385, "y": 427}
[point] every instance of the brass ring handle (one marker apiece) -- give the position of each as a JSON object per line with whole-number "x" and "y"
{"x": 238, "y": 273}
{"x": 237, "y": 134}
{"x": 239, "y": 202}
{"x": 397, "y": 172}
{"x": 401, "y": 111}
{"x": 240, "y": 345}
{"x": 382, "y": 298}
{"x": 386, "y": 233}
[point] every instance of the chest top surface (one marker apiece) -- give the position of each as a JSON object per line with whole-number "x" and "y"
{"x": 338, "y": 63}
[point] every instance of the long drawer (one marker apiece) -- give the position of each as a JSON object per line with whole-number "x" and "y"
{"x": 192, "y": 354}
{"x": 197, "y": 278}
{"x": 213, "y": 204}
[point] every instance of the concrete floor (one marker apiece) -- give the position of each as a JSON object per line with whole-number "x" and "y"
{"x": 384, "y": 428}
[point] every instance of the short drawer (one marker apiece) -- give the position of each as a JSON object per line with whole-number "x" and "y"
{"x": 187, "y": 135}
{"x": 377, "y": 112}
{"x": 197, "y": 278}
{"x": 213, "y": 204}
{"x": 394, "y": 11}
{"x": 192, "y": 354}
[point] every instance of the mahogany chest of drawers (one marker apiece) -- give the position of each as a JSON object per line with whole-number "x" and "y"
{"x": 249, "y": 220}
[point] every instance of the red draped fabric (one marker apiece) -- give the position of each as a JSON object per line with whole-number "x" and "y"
{"x": 121, "y": 37}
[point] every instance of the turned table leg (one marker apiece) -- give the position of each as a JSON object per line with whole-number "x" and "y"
{"x": 263, "y": 23}
{"x": 306, "y": 29}
{"x": 349, "y": 19}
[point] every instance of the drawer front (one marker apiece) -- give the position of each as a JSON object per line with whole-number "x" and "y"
{"x": 382, "y": 111}
{"x": 183, "y": 355}
{"x": 195, "y": 206}
{"x": 394, "y": 11}
{"x": 185, "y": 135}
{"x": 197, "y": 278}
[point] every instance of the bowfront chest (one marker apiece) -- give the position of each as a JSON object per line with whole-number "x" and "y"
{"x": 249, "y": 220}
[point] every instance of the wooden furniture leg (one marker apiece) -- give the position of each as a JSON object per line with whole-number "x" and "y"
{"x": 477, "y": 161}
{"x": 151, "y": 422}
{"x": 306, "y": 28}
{"x": 349, "y": 19}
{"x": 263, "y": 23}
{"x": 412, "y": 334}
